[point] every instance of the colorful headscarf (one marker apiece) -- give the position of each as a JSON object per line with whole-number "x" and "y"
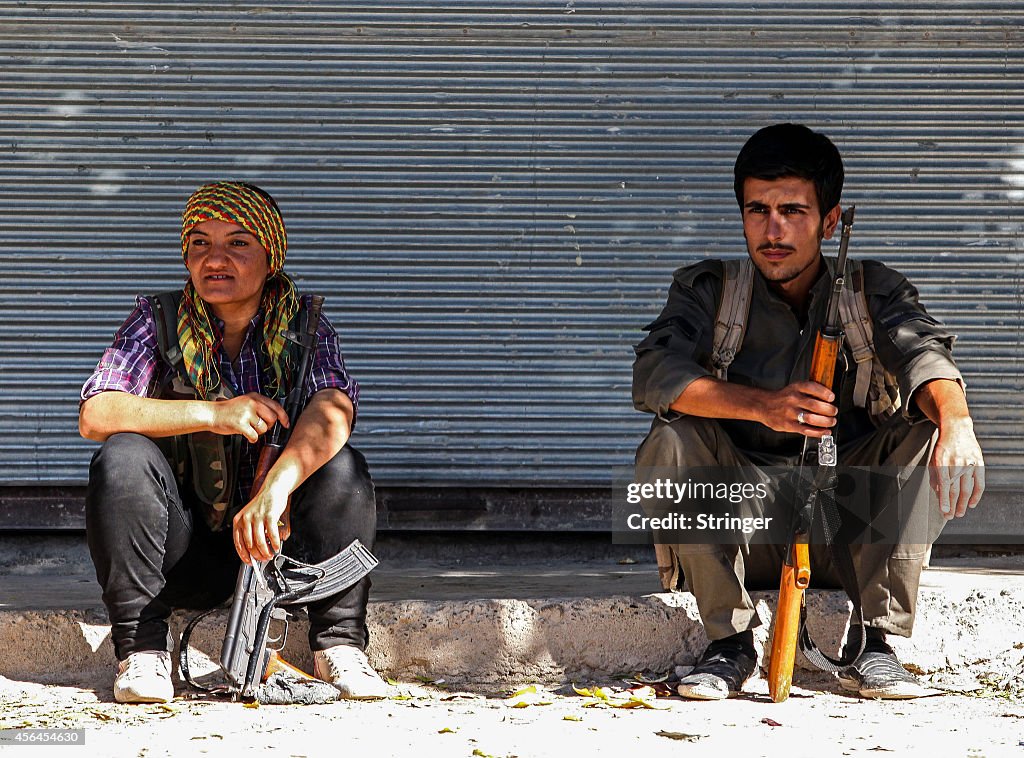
{"x": 255, "y": 211}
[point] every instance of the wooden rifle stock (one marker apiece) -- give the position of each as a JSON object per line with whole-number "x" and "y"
{"x": 276, "y": 663}
{"x": 796, "y": 576}
{"x": 796, "y": 570}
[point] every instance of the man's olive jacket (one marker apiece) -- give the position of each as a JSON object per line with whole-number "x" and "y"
{"x": 777, "y": 348}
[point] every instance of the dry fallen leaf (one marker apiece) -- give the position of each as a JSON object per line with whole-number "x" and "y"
{"x": 636, "y": 697}
{"x": 680, "y": 735}
{"x": 645, "y": 679}
{"x": 528, "y": 696}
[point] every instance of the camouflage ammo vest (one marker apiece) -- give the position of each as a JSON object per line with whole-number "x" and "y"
{"x": 876, "y": 389}
{"x": 207, "y": 461}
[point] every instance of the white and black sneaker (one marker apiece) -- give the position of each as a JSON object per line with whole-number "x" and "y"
{"x": 877, "y": 673}
{"x": 722, "y": 670}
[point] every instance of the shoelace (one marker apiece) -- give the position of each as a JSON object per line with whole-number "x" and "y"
{"x": 883, "y": 665}
{"x": 348, "y": 663}
{"x": 723, "y": 651}
{"x": 145, "y": 665}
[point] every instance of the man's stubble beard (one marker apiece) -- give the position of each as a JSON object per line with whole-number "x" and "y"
{"x": 786, "y": 275}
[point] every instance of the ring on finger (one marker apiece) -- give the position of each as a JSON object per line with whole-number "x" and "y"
{"x": 260, "y": 423}
{"x": 800, "y": 418}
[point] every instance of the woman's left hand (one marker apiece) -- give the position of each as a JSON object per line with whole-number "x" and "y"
{"x": 262, "y": 526}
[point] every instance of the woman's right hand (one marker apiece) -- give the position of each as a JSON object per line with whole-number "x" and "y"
{"x": 251, "y": 415}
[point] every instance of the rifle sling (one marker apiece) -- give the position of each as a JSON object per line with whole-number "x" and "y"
{"x": 842, "y": 559}
{"x": 183, "y": 663}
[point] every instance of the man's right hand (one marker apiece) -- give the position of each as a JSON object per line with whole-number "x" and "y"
{"x": 250, "y": 415}
{"x": 802, "y": 408}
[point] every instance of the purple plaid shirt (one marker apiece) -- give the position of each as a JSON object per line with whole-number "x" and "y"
{"x": 133, "y": 364}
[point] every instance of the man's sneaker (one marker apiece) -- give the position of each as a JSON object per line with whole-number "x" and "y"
{"x": 878, "y": 673}
{"x": 144, "y": 677}
{"x": 348, "y": 669}
{"x": 722, "y": 670}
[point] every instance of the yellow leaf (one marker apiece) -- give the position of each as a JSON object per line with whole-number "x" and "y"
{"x": 572, "y": 718}
{"x": 527, "y": 696}
{"x": 582, "y": 691}
{"x": 526, "y": 701}
{"x": 446, "y": 730}
{"x": 636, "y": 702}
{"x": 601, "y": 692}
{"x": 253, "y": 704}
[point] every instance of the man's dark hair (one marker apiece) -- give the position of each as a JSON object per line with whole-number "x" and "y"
{"x": 785, "y": 150}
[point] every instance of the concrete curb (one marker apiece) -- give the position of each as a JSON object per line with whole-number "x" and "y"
{"x": 549, "y": 640}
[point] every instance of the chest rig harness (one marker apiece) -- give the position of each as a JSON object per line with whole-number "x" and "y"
{"x": 208, "y": 462}
{"x": 875, "y": 389}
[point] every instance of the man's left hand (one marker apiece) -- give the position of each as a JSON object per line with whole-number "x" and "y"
{"x": 957, "y": 469}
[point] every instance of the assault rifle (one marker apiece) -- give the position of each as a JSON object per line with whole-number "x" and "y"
{"x": 814, "y": 482}
{"x": 246, "y": 657}
{"x": 262, "y": 589}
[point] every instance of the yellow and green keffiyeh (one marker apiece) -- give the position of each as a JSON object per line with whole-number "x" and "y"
{"x": 255, "y": 211}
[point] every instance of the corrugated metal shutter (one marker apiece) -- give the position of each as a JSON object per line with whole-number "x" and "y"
{"x": 491, "y": 196}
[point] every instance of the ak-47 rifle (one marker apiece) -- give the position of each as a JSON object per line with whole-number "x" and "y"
{"x": 814, "y": 481}
{"x": 263, "y": 587}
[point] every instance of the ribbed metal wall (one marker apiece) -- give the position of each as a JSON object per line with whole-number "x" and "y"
{"x": 492, "y": 196}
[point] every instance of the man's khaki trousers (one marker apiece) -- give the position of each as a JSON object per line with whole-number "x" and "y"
{"x": 720, "y": 576}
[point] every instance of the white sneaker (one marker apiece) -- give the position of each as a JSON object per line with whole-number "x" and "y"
{"x": 144, "y": 677}
{"x": 348, "y": 669}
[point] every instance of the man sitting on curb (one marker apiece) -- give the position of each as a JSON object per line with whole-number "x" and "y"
{"x": 180, "y": 406}
{"x": 788, "y": 182}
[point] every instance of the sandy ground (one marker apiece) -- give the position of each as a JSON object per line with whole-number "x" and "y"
{"x": 446, "y": 720}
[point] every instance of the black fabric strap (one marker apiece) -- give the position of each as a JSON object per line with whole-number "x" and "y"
{"x": 824, "y": 486}
{"x": 165, "y": 311}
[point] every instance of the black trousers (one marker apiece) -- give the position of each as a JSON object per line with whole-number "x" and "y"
{"x": 153, "y": 551}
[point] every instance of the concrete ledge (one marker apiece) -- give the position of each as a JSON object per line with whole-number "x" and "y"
{"x": 967, "y": 620}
